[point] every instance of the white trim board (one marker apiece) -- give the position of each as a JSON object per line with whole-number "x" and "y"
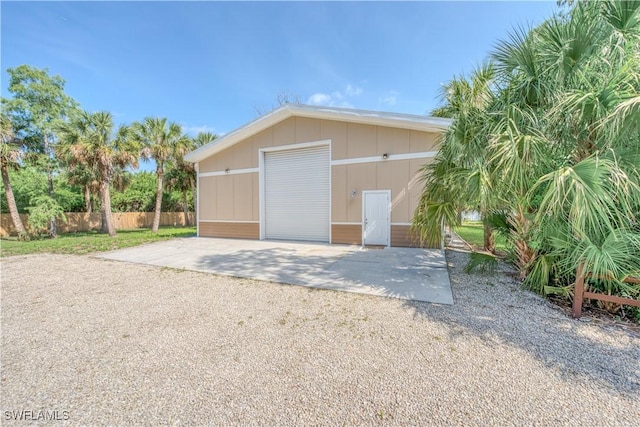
{"x": 296, "y": 146}
{"x": 392, "y": 157}
{"x": 231, "y": 172}
{"x": 229, "y": 221}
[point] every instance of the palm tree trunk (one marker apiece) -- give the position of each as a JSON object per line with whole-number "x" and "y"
{"x": 11, "y": 202}
{"x": 185, "y": 207}
{"x": 156, "y": 215}
{"x": 87, "y": 199}
{"x": 53, "y": 228}
{"x": 520, "y": 233}
{"x": 489, "y": 237}
{"x": 105, "y": 209}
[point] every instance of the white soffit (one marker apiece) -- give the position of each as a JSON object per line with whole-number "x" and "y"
{"x": 378, "y": 118}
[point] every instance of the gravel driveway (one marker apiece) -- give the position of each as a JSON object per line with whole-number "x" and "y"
{"x": 106, "y": 342}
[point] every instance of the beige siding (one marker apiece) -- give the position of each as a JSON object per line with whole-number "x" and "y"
{"x": 346, "y": 234}
{"x": 392, "y": 141}
{"x": 361, "y": 140}
{"x": 359, "y": 177}
{"x": 284, "y": 133}
{"x": 307, "y": 129}
{"x": 225, "y": 194}
{"x": 243, "y": 197}
{"x": 234, "y": 230}
{"x": 422, "y": 141}
{"x": 229, "y": 197}
{"x": 337, "y": 133}
{"x": 208, "y": 197}
{"x": 340, "y": 193}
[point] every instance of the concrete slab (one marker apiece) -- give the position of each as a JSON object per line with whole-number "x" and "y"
{"x": 406, "y": 273}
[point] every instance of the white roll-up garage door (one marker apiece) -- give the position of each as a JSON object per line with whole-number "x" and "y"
{"x": 297, "y": 187}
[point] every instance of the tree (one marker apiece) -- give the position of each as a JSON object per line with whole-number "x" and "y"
{"x": 459, "y": 177}
{"x": 161, "y": 141}
{"x": 89, "y": 139}
{"x": 562, "y": 154}
{"x": 39, "y": 104}
{"x": 182, "y": 175}
{"x": 82, "y": 175}
{"x": 283, "y": 97}
{"x": 10, "y": 153}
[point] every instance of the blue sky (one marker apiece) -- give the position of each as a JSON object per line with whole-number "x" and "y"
{"x": 209, "y": 65}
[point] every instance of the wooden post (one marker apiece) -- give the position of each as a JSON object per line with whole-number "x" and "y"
{"x": 578, "y": 292}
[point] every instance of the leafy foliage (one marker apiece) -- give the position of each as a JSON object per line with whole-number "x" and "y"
{"x": 551, "y": 141}
{"x": 482, "y": 263}
{"x": 45, "y": 209}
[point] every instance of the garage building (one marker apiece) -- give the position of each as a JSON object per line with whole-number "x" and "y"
{"x": 321, "y": 174}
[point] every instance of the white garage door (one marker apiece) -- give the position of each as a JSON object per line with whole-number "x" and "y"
{"x": 297, "y": 194}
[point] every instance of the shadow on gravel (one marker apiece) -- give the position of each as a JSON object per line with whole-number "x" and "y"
{"x": 496, "y": 309}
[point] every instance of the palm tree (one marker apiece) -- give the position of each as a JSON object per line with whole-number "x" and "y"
{"x": 559, "y": 144}
{"x": 89, "y": 139}
{"x": 182, "y": 175}
{"x": 458, "y": 179}
{"x": 80, "y": 174}
{"x": 569, "y": 87}
{"x": 161, "y": 141}
{"x": 10, "y": 153}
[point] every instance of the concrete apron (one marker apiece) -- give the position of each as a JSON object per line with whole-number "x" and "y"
{"x": 405, "y": 273}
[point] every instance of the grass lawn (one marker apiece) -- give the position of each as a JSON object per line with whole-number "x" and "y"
{"x": 89, "y": 242}
{"x": 473, "y": 233}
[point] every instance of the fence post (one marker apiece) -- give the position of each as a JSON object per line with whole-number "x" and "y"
{"x": 578, "y": 292}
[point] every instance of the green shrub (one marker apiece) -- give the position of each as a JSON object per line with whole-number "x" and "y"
{"x": 40, "y": 215}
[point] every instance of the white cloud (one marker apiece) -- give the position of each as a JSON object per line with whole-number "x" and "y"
{"x": 195, "y": 130}
{"x": 319, "y": 99}
{"x": 391, "y": 98}
{"x": 336, "y": 98}
{"x": 353, "y": 90}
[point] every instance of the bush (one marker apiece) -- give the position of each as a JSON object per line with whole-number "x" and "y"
{"x": 40, "y": 215}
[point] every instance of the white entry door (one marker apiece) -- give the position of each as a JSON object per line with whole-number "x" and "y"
{"x": 376, "y": 217}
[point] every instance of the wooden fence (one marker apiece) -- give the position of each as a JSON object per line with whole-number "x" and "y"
{"x": 582, "y": 291}
{"x": 82, "y": 221}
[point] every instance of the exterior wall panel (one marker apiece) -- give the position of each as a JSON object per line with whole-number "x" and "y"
{"x": 284, "y": 133}
{"x": 337, "y": 133}
{"x": 422, "y": 141}
{"x": 346, "y": 234}
{"x": 225, "y": 194}
{"x": 392, "y": 141}
{"x": 243, "y": 197}
{"x": 362, "y": 140}
{"x": 233, "y": 230}
{"x": 340, "y": 193}
{"x": 401, "y": 236}
{"x": 307, "y": 130}
{"x": 208, "y": 197}
{"x": 360, "y": 177}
